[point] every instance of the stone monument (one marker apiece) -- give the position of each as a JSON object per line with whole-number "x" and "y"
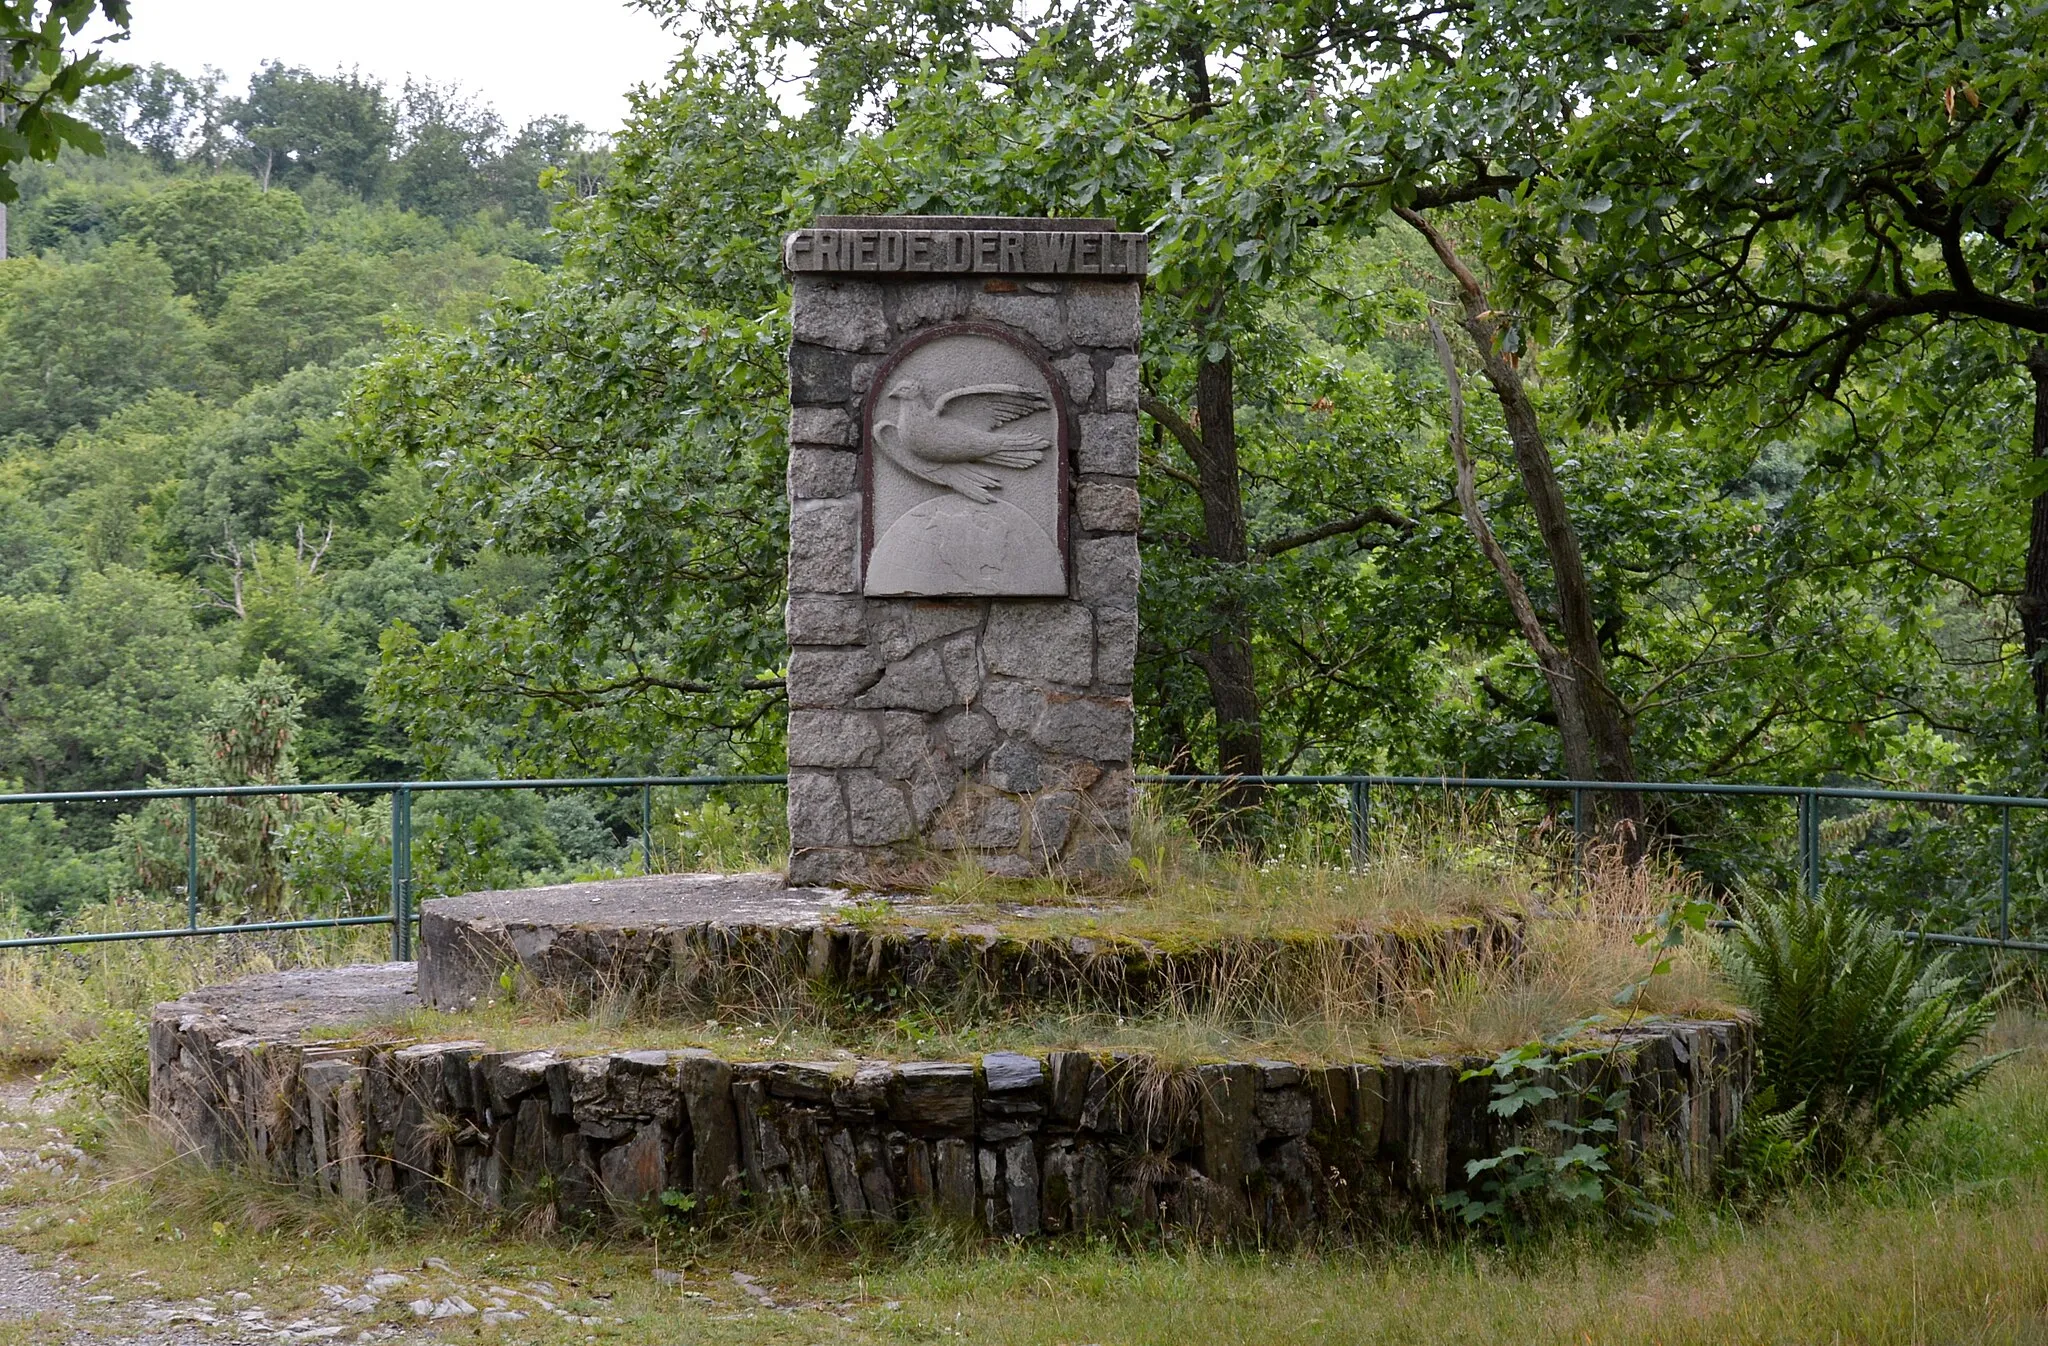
{"x": 963, "y": 615}
{"x": 963, "y": 561}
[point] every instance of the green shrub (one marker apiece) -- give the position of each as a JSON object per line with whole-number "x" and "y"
{"x": 1858, "y": 1032}
{"x": 1562, "y": 1106}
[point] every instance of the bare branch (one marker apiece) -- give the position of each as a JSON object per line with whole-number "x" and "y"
{"x": 600, "y": 693}
{"x": 1392, "y": 518}
{"x": 231, "y": 558}
{"x": 320, "y": 551}
{"x": 1475, "y": 517}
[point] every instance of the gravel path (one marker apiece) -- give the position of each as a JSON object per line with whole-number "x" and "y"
{"x": 70, "y": 1307}
{"x": 24, "y": 1291}
{"x": 73, "y": 1303}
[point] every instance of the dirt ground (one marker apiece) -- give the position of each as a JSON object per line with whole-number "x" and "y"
{"x": 68, "y": 1304}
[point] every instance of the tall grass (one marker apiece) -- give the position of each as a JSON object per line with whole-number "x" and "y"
{"x": 1451, "y": 858}
{"x": 51, "y": 998}
{"x": 1289, "y": 996}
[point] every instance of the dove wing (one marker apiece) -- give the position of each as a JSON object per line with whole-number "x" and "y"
{"x": 1005, "y": 402}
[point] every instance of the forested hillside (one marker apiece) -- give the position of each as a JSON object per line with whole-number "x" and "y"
{"x": 186, "y": 531}
{"x": 470, "y": 442}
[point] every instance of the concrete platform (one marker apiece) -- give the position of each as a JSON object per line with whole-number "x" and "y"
{"x": 586, "y": 940}
{"x": 704, "y": 943}
{"x": 282, "y": 1004}
{"x": 652, "y": 902}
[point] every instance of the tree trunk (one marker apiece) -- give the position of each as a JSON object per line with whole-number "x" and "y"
{"x": 1233, "y": 689}
{"x": 1210, "y": 441}
{"x": 1240, "y": 743}
{"x": 1608, "y": 722}
{"x": 1566, "y": 691}
{"x": 1604, "y": 728}
{"x": 6, "y": 123}
{"x": 2032, "y": 603}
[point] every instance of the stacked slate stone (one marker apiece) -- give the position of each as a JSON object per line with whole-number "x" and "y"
{"x": 1015, "y": 1144}
{"x": 985, "y": 716}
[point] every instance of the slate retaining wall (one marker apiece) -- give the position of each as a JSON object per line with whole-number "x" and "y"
{"x": 1014, "y": 1144}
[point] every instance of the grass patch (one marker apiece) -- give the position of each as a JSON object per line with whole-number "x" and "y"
{"x": 1182, "y": 891}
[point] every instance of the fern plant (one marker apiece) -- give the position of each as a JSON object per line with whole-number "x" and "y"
{"x": 1858, "y": 1033}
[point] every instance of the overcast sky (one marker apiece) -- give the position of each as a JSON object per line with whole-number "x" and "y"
{"x": 529, "y": 59}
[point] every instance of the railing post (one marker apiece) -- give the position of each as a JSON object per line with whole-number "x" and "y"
{"x": 2005, "y": 871}
{"x": 1809, "y": 842}
{"x": 1361, "y": 821}
{"x": 647, "y": 829}
{"x": 1801, "y": 847}
{"x": 401, "y": 875}
{"x": 1578, "y": 838}
{"x": 191, "y": 862}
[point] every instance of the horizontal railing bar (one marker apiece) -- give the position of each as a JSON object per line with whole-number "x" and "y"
{"x": 1930, "y": 937}
{"x": 184, "y": 932}
{"x": 1346, "y": 779}
{"x": 381, "y": 787}
{"x": 1976, "y": 941}
{"x": 1421, "y": 782}
{"x": 1611, "y": 787}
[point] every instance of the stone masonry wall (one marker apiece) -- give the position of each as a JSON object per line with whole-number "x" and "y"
{"x": 994, "y": 728}
{"x": 1014, "y": 1144}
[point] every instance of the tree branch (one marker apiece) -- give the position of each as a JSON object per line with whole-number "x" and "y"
{"x": 1166, "y": 469}
{"x": 1741, "y": 745}
{"x": 1445, "y": 253}
{"x": 1392, "y": 518}
{"x": 1176, "y": 425}
{"x": 1475, "y": 517}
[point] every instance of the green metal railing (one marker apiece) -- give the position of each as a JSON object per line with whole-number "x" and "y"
{"x": 1807, "y": 797}
{"x": 1358, "y": 796}
{"x": 401, "y": 916}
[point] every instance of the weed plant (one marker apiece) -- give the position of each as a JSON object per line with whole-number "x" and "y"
{"x": 1859, "y": 1032}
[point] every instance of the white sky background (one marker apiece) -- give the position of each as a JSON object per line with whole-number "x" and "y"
{"x": 526, "y": 58}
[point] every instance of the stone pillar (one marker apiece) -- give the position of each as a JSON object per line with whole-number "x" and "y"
{"x": 963, "y": 550}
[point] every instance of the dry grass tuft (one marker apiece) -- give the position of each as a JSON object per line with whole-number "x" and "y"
{"x": 51, "y": 998}
{"x": 1313, "y": 1004}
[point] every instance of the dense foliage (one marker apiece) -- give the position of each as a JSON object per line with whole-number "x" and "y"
{"x": 41, "y": 76}
{"x": 475, "y": 435}
{"x": 186, "y": 537}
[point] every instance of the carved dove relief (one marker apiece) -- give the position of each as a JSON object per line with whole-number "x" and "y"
{"x": 964, "y": 473}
